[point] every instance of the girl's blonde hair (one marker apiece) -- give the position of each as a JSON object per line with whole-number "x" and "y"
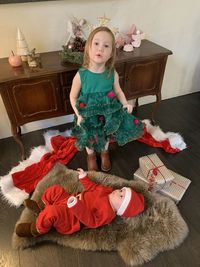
{"x": 86, "y": 60}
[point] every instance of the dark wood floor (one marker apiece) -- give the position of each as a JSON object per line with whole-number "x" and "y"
{"x": 181, "y": 114}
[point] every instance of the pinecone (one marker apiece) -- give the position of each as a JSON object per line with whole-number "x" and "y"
{"x": 78, "y": 45}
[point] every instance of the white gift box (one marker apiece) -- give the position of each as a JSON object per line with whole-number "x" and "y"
{"x": 175, "y": 190}
{"x": 155, "y": 172}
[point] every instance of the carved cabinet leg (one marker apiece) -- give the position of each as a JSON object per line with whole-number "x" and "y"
{"x": 136, "y": 103}
{"x": 19, "y": 131}
{"x": 135, "y": 109}
{"x": 16, "y": 132}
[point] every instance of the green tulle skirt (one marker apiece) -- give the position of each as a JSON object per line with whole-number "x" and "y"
{"x": 104, "y": 119}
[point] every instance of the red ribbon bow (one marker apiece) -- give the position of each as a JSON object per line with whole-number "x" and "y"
{"x": 155, "y": 171}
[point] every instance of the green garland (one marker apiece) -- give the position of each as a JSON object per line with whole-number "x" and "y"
{"x": 67, "y": 55}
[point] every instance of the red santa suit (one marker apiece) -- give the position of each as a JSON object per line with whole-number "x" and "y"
{"x": 67, "y": 214}
{"x": 91, "y": 208}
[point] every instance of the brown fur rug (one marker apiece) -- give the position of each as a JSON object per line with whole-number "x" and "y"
{"x": 160, "y": 227}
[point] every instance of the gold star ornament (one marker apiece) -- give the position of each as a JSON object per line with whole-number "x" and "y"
{"x": 103, "y": 21}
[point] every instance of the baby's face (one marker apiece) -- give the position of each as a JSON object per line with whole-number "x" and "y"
{"x": 116, "y": 198}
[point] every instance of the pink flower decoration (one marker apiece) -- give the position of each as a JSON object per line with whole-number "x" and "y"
{"x": 136, "y": 121}
{"x": 111, "y": 94}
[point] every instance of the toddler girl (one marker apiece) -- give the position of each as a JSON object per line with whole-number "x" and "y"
{"x": 101, "y": 108}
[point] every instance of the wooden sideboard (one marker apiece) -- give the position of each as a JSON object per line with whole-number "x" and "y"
{"x": 31, "y": 94}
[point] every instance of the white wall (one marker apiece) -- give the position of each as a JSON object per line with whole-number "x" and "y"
{"x": 172, "y": 24}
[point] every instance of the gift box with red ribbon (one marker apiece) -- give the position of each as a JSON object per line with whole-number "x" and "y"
{"x": 155, "y": 172}
{"x": 175, "y": 190}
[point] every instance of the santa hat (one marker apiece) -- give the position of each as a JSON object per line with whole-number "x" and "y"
{"x": 132, "y": 205}
{"x": 154, "y": 136}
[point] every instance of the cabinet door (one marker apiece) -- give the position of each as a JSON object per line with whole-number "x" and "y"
{"x": 35, "y": 98}
{"x": 144, "y": 77}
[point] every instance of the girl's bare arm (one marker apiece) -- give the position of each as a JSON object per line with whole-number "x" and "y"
{"x": 74, "y": 93}
{"x": 120, "y": 94}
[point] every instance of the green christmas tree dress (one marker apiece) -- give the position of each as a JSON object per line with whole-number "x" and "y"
{"x": 103, "y": 114}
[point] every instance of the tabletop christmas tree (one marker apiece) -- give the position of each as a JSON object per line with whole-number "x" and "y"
{"x": 75, "y": 44}
{"x": 22, "y": 46}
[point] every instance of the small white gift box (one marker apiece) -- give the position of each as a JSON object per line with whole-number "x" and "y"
{"x": 175, "y": 190}
{"x": 155, "y": 172}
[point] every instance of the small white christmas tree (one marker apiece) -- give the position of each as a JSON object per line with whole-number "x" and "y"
{"x": 22, "y": 46}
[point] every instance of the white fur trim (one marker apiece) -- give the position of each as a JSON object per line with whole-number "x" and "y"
{"x": 47, "y": 137}
{"x": 71, "y": 201}
{"x": 125, "y": 202}
{"x": 175, "y": 139}
{"x": 13, "y": 195}
{"x": 35, "y": 156}
{"x": 49, "y": 134}
{"x": 155, "y": 131}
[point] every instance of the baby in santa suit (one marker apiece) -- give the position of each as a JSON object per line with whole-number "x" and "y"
{"x": 97, "y": 205}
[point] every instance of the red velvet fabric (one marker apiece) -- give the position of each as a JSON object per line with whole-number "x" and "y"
{"x": 63, "y": 151}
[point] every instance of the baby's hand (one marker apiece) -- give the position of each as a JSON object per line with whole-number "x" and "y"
{"x": 81, "y": 173}
{"x": 129, "y": 107}
{"x": 79, "y": 120}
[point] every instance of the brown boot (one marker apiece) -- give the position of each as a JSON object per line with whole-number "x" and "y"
{"x": 92, "y": 162}
{"x": 32, "y": 205}
{"x": 105, "y": 161}
{"x": 27, "y": 230}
